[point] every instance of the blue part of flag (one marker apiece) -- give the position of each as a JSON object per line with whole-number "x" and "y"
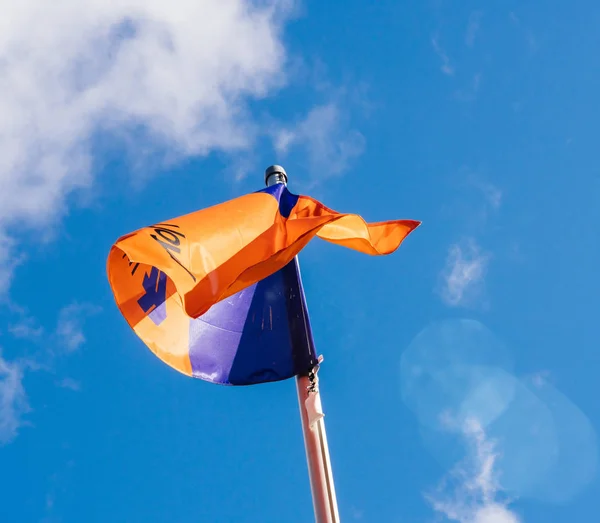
{"x": 261, "y": 334}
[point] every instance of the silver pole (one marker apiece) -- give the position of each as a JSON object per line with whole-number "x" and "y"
{"x": 313, "y": 424}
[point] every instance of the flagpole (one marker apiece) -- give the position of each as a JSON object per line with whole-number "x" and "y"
{"x": 313, "y": 424}
{"x": 317, "y": 452}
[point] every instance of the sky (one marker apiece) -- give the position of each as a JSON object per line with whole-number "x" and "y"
{"x": 460, "y": 373}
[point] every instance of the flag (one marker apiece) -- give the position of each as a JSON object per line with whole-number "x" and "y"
{"x": 216, "y": 293}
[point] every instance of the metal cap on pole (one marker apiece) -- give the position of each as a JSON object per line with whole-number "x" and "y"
{"x": 313, "y": 424}
{"x": 275, "y": 174}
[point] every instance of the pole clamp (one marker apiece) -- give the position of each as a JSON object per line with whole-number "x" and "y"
{"x": 313, "y": 379}
{"x": 312, "y": 403}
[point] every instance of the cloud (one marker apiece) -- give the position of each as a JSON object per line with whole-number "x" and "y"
{"x": 470, "y": 93}
{"x": 473, "y": 27}
{"x": 463, "y": 275}
{"x": 324, "y": 139}
{"x": 8, "y": 259}
{"x": 13, "y": 401}
{"x": 524, "y": 438}
{"x": 446, "y": 66}
{"x": 26, "y": 328}
{"x": 65, "y": 337}
{"x": 530, "y": 39}
{"x": 356, "y": 513}
{"x": 477, "y": 199}
{"x": 540, "y": 378}
{"x": 471, "y": 492}
{"x": 69, "y": 383}
{"x": 69, "y": 327}
{"x": 491, "y": 193}
{"x": 174, "y": 76}
{"x": 462, "y": 278}
{"x": 68, "y": 337}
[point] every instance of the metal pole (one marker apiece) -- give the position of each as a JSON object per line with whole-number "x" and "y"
{"x": 317, "y": 451}
{"x": 313, "y": 425}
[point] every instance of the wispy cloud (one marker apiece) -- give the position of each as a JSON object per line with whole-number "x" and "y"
{"x": 493, "y": 194}
{"x": 470, "y": 93}
{"x": 473, "y": 27}
{"x": 471, "y": 492}
{"x": 446, "y": 68}
{"x": 462, "y": 279}
{"x": 540, "y": 378}
{"x": 477, "y": 200}
{"x": 58, "y": 483}
{"x": 356, "y": 513}
{"x": 13, "y": 401}
{"x": 69, "y": 383}
{"x": 67, "y": 337}
{"x": 69, "y": 327}
{"x": 168, "y": 74}
{"x": 463, "y": 275}
{"x": 520, "y": 437}
{"x": 326, "y": 138}
{"x": 9, "y": 260}
{"x": 26, "y": 328}
{"x": 530, "y": 39}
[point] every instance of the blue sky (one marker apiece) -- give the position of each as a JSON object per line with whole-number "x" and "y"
{"x": 460, "y": 373}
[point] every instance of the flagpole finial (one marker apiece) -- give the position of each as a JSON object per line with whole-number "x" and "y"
{"x": 275, "y": 174}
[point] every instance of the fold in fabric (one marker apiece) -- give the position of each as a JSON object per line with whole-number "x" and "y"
{"x": 168, "y": 277}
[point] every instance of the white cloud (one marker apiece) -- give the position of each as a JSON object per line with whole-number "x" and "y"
{"x": 69, "y": 327}
{"x": 356, "y": 513}
{"x": 470, "y": 93}
{"x": 69, "y": 383}
{"x": 473, "y": 27}
{"x": 8, "y": 260}
{"x": 464, "y": 273}
{"x": 446, "y": 66}
{"x": 324, "y": 136}
{"x": 540, "y": 378}
{"x": 26, "y": 328}
{"x": 68, "y": 336}
{"x": 472, "y": 493}
{"x": 13, "y": 402}
{"x": 492, "y": 194}
{"x": 178, "y": 74}
{"x": 530, "y": 39}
